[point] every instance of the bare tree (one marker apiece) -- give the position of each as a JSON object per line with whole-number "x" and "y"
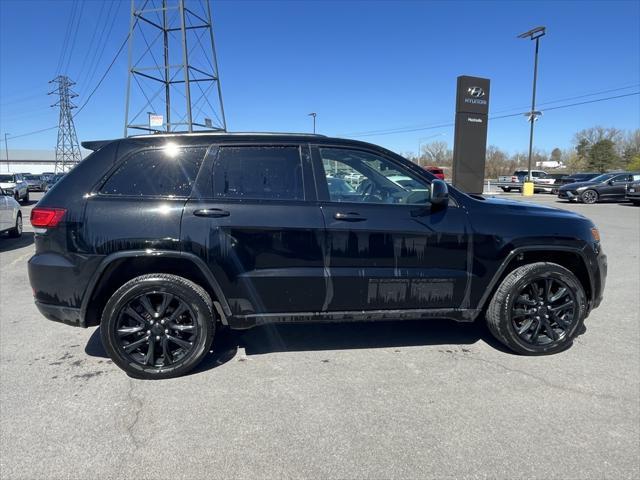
{"x": 435, "y": 153}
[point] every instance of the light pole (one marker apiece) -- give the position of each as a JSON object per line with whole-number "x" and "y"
{"x": 6, "y": 149}
{"x": 313, "y": 114}
{"x": 533, "y": 34}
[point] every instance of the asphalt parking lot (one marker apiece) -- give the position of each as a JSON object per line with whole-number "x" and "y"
{"x": 430, "y": 399}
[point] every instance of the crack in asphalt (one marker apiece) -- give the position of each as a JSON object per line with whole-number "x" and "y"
{"x": 550, "y": 384}
{"x": 139, "y": 404}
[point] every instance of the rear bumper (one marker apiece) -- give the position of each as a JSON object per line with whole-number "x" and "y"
{"x": 67, "y": 315}
{"x": 59, "y": 282}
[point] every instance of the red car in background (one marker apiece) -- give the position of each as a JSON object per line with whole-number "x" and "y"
{"x": 438, "y": 172}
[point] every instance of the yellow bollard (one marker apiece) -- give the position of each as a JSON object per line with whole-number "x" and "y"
{"x": 527, "y": 189}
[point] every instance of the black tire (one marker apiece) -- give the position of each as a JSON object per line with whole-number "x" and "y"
{"x": 503, "y": 318}
{"x": 117, "y": 317}
{"x": 589, "y": 197}
{"x": 555, "y": 191}
{"x": 16, "y": 232}
{"x": 26, "y": 198}
{"x": 506, "y": 189}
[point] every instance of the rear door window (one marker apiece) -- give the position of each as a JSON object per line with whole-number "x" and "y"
{"x": 258, "y": 173}
{"x": 169, "y": 171}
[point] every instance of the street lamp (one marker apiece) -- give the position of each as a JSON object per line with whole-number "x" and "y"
{"x": 6, "y": 149}
{"x": 313, "y": 114}
{"x": 533, "y": 34}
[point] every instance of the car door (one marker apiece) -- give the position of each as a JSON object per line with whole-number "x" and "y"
{"x": 254, "y": 220}
{"x": 389, "y": 249}
{"x": 5, "y": 212}
{"x": 615, "y": 187}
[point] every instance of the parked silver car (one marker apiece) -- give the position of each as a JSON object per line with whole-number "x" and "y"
{"x": 10, "y": 215}
{"x": 15, "y": 183}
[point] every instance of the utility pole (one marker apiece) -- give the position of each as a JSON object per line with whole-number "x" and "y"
{"x": 6, "y": 149}
{"x": 313, "y": 114}
{"x": 67, "y": 148}
{"x": 533, "y": 34}
{"x": 173, "y": 68}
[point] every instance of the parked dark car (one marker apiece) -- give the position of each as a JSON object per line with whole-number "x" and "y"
{"x": 576, "y": 177}
{"x": 608, "y": 186}
{"x": 633, "y": 193}
{"x": 162, "y": 239}
{"x": 53, "y": 179}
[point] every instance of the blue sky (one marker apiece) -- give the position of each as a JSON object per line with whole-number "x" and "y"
{"x": 361, "y": 65}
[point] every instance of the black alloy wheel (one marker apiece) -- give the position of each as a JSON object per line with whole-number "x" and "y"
{"x": 158, "y": 326}
{"x": 538, "y": 309}
{"x": 156, "y": 329}
{"x": 543, "y": 311}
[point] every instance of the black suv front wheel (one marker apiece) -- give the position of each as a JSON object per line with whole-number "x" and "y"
{"x": 158, "y": 326}
{"x": 538, "y": 309}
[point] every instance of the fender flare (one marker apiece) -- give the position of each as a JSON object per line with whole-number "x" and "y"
{"x": 533, "y": 248}
{"x": 197, "y": 261}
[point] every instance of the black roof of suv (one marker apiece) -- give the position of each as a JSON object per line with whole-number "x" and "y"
{"x": 161, "y": 238}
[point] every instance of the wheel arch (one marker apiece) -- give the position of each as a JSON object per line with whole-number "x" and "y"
{"x": 573, "y": 259}
{"x": 120, "y": 267}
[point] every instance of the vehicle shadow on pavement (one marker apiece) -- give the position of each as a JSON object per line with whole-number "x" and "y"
{"x": 224, "y": 348}
{"x": 7, "y": 244}
{"x": 331, "y": 336}
{"x": 347, "y": 336}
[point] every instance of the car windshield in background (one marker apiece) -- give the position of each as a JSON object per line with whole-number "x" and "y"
{"x": 603, "y": 177}
{"x": 7, "y": 178}
{"x": 32, "y": 177}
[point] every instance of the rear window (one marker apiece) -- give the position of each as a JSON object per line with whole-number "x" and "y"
{"x": 169, "y": 171}
{"x": 259, "y": 173}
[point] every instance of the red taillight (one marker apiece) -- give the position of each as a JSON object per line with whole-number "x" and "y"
{"x": 47, "y": 217}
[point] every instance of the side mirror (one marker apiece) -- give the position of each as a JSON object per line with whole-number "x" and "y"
{"x": 611, "y": 182}
{"x": 439, "y": 193}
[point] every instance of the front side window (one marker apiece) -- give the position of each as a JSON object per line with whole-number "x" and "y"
{"x": 258, "y": 173}
{"x": 168, "y": 171}
{"x": 358, "y": 176}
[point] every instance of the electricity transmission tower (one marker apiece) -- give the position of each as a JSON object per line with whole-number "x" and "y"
{"x": 67, "y": 149}
{"x": 173, "y": 82}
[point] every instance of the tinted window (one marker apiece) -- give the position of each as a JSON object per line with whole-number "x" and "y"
{"x": 372, "y": 178}
{"x": 169, "y": 171}
{"x": 269, "y": 173}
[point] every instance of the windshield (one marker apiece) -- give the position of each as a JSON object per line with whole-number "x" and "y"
{"x": 6, "y": 178}
{"x": 603, "y": 177}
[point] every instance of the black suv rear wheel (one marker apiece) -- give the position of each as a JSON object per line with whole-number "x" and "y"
{"x": 158, "y": 326}
{"x": 538, "y": 309}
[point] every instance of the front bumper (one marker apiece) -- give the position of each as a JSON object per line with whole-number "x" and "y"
{"x": 567, "y": 195}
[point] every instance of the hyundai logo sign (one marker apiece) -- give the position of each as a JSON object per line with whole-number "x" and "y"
{"x": 476, "y": 93}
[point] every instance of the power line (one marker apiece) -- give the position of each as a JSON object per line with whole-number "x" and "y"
{"x": 103, "y": 75}
{"x": 418, "y": 126}
{"x": 75, "y": 36}
{"x": 100, "y": 41}
{"x": 65, "y": 42}
{"x": 450, "y": 124}
{"x": 90, "y": 76}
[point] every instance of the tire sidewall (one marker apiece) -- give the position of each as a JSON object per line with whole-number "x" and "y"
{"x": 203, "y": 318}
{"x": 558, "y": 273}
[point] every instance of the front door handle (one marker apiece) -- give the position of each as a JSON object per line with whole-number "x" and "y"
{"x": 211, "y": 213}
{"x": 349, "y": 217}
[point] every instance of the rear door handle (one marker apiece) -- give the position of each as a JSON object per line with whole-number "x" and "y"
{"x": 349, "y": 217}
{"x": 211, "y": 213}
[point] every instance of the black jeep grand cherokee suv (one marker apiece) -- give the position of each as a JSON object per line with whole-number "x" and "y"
{"x": 159, "y": 239}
